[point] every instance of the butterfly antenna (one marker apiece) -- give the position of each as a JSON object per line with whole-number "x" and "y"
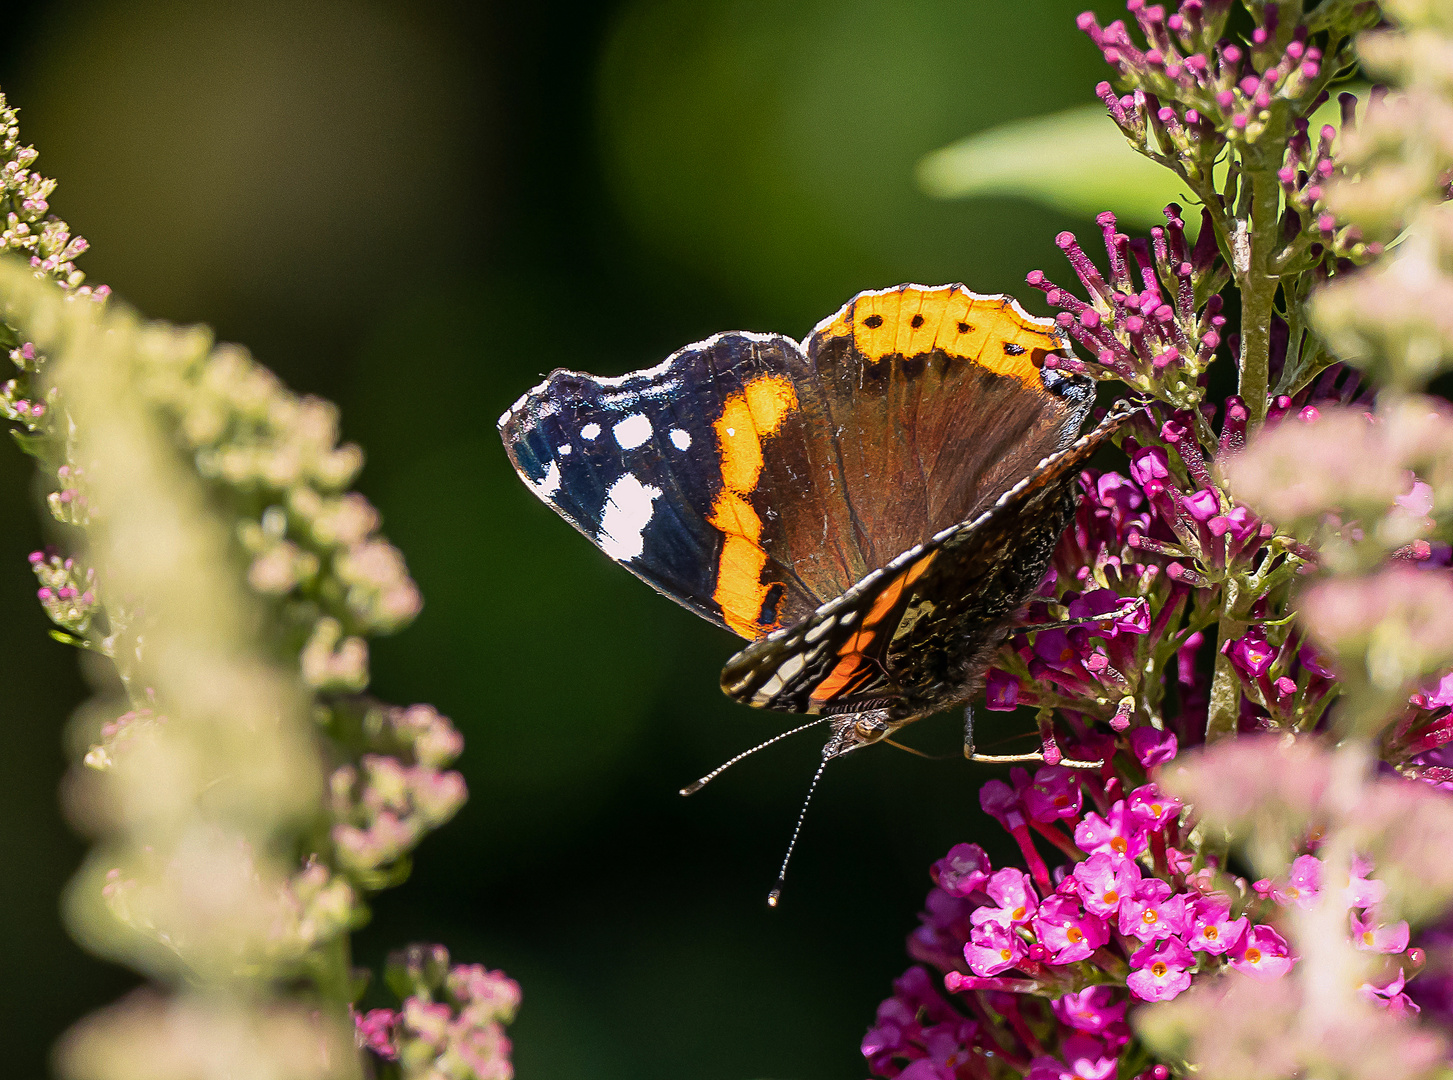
{"x": 692, "y": 789}
{"x": 776, "y": 894}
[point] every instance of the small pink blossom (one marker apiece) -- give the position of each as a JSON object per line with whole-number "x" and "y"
{"x": 1104, "y": 880}
{"x": 1153, "y": 806}
{"x": 1091, "y": 1010}
{"x": 1159, "y": 971}
{"x": 1150, "y": 463}
{"x": 1084, "y": 1059}
{"x": 1001, "y": 691}
{"x": 1123, "y": 833}
{"x": 963, "y": 870}
{"x": 1179, "y": 862}
{"x": 1251, "y": 653}
{"x": 1262, "y": 954}
{"x": 375, "y": 1030}
{"x": 1152, "y": 747}
{"x": 1054, "y": 794}
{"x": 1371, "y": 936}
{"x": 1016, "y": 898}
{"x": 1154, "y": 912}
{"x": 1304, "y": 882}
{"x": 1067, "y": 931}
{"x": 1391, "y": 995}
{"x": 1001, "y": 802}
{"x": 992, "y": 949}
{"x": 1212, "y": 928}
{"x": 1363, "y": 891}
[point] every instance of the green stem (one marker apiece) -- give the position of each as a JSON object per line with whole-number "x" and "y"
{"x": 1225, "y": 706}
{"x": 1258, "y": 285}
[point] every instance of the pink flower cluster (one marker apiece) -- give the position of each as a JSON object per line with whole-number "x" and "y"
{"x": 451, "y": 1022}
{"x": 1043, "y": 964}
{"x": 1164, "y": 925}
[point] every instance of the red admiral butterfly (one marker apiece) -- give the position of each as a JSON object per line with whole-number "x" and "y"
{"x": 869, "y": 508}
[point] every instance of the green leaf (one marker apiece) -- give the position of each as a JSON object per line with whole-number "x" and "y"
{"x": 1076, "y": 160}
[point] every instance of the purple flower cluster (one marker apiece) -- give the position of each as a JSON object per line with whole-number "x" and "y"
{"x": 1217, "y": 86}
{"x": 1143, "y": 325}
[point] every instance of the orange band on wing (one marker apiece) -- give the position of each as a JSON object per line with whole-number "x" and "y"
{"x": 911, "y": 321}
{"x": 847, "y": 669}
{"x": 746, "y": 419}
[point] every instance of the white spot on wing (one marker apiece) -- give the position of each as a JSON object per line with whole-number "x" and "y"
{"x": 590, "y": 432}
{"x": 565, "y": 450}
{"x": 680, "y": 439}
{"x": 551, "y": 483}
{"x": 632, "y": 431}
{"x": 787, "y": 671}
{"x": 629, "y": 505}
{"x": 820, "y": 629}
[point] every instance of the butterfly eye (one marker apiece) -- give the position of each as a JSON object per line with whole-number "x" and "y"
{"x": 868, "y": 729}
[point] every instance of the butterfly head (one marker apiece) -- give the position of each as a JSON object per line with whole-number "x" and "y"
{"x": 855, "y": 730}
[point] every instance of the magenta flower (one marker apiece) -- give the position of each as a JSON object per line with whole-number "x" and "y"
{"x": 1371, "y": 936}
{"x": 1011, "y": 889}
{"x": 1159, "y": 972}
{"x": 1153, "y": 806}
{"x": 1001, "y": 802}
{"x": 1084, "y": 1059}
{"x": 1001, "y": 691}
{"x": 1251, "y": 653}
{"x": 963, "y": 870}
{"x": 1391, "y": 995}
{"x": 1070, "y": 934}
{"x": 375, "y": 1031}
{"x": 1093, "y": 1010}
{"x": 1202, "y": 505}
{"x": 1153, "y": 912}
{"x": 1150, "y": 463}
{"x": 1212, "y": 928}
{"x": 1262, "y": 954}
{"x": 1056, "y": 650}
{"x": 1362, "y": 891}
{"x": 1152, "y": 747}
{"x": 1303, "y": 883}
{"x": 1123, "y": 833}
{"x": 992, "y": 948}
{"x": 1104, "y": 880}
{"x": 1133, "y": 617}
{"x": 1054, "y": 794}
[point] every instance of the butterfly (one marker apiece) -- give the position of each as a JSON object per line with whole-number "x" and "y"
{"x": 868, "y": 507}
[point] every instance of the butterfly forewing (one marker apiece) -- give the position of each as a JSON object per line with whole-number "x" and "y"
{"x": 939, "y": 403}
{"x": 752, "y": 479}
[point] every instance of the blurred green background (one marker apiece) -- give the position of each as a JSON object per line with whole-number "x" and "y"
{"x": 419, "y": 208}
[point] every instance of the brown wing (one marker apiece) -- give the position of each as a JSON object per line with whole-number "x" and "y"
{"x": 915, "y": 635}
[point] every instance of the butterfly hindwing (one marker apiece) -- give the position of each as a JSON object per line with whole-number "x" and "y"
{"x": 913, "y": 635}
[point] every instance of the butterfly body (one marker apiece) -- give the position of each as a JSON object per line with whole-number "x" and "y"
{"x": 868, "y": 507}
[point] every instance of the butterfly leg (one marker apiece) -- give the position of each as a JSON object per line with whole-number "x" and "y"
{"x": 1119, "y": 613}
{"x": 1050, "y": 754}
{"x": 974, "y": 755}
